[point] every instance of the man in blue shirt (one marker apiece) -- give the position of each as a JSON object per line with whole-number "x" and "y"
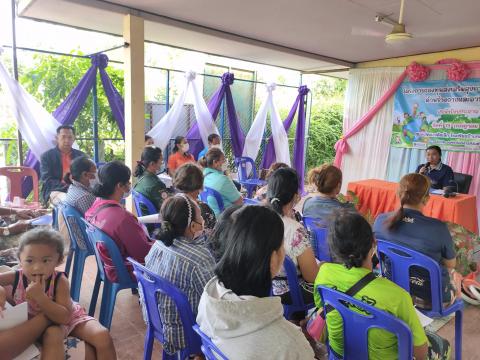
{"x": 213, "y": 141}
{"x": 440, "y": 175}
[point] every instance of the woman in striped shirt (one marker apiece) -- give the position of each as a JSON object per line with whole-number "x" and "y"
{"x": 180, "y": 256}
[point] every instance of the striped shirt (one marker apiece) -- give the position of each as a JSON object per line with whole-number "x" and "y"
{"x": 188, "y": 265}
{"x": 80, "y": 197}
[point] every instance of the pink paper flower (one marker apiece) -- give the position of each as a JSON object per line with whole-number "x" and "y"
{"x": 457, "y": 71}
{"x": 417, "y": 72}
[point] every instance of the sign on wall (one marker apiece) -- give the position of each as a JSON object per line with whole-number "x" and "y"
{"x": 440, "y": 112}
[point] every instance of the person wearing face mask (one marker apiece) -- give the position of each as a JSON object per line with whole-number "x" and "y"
{"x": 215, "y": 164}
{"x": 214, "y": 141}
{"x": 110, "y": 216}
{"x": 282, "y": 195}
{"x": 81, "y": 178}
{"x": 188, "y": 179}
{"x": 180, "y": 155}
{"x": 147, "y": 182}
{"x": 182, "y": 258}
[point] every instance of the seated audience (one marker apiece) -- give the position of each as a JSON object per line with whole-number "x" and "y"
{"x": 188, "y": 179}
{"x": 440, "y": 174}
{"x": 214, "y": 141}
{"x": 236, "y": 310}
{"x": 149, "y": 141}
{"x": 217, "y": 239}
{"x": 261, "y": 194}
{"x": 47, "y": 292}
{"x": 81, "y": 178}
{"x": 181, "y": 257}
{"x": 409, "y": 227}
{"x": 109, "y": 216}
{"x": 55, "y": 164}
{"x": 215, "y": 164}
{"x": 180, "y": 155}
{"x": 147, "y": 182}
{"x": 328, "y": 181}
{"x": 282, "y": 196}
{"x": 352, "y": 245}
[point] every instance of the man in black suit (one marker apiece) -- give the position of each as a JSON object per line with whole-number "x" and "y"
{"x": 55, "y": 164}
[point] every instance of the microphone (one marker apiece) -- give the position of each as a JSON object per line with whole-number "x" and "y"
{"x": 427, "y": 165}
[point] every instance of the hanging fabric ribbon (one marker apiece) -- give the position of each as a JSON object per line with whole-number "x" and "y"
{"x": 37, "y": 126}
{"x": 341, "y": 147}
{"x": 236, "y": 132}
{"x": 279, "y": 135}
{"x": 269, "y": 155}
{"x": 163, "y": 130}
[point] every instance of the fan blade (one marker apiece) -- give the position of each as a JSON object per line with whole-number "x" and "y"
{"x": 356, "y": 31}
{"x": 468, "y": 30}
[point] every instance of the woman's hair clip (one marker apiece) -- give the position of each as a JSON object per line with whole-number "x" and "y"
{"x": 272, "y": 200}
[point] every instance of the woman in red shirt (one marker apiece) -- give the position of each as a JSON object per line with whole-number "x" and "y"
{"x": 180, "y": 155}
{"x": 109, "y": 216}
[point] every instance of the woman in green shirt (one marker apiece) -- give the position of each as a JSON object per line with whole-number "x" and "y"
{"x": 147, "y": 182}
{"x": 352, "y": 245}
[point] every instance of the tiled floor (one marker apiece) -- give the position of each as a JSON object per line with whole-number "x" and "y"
{"x": 128, "y": 328}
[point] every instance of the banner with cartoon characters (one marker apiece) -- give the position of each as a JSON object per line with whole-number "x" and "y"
{"x": 441, "y": 112}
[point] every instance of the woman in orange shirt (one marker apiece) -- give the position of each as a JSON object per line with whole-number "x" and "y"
{"x": 180, "y": 155}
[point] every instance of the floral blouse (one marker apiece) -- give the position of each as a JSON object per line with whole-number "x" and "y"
{"x": 296, "y": 241}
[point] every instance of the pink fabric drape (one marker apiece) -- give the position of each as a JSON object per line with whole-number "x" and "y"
{"x": 341, "y": 147}
{"x": 467, "y": 163}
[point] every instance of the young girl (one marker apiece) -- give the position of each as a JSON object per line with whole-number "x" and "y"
{"x": 47, "y": 291}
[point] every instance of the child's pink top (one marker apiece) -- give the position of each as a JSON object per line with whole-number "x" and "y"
{"x": 19, "y": 295}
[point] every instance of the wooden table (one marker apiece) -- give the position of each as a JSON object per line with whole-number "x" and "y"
{"x": 379, "y": 196}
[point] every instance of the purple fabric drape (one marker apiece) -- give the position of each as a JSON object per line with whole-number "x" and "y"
{"x": 115, "y": 99}
{"x": 299, "y": 147}
{"x": 236, "y": 132}
{"x": 69, "y": 109}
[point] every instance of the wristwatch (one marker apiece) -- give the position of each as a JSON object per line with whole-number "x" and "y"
{"x": 6, "y": 232}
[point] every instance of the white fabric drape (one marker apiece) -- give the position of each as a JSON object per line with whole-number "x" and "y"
{"x": 37, "y": 126}
{"x": 254, "y": 137}
{"x": 162, "y": 132}
{"x": 369, "y": 149}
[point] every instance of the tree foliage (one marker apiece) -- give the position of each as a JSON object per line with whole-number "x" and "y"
{"x": 326, "y": 121}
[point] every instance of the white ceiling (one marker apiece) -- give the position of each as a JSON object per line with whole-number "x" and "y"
{"x": 304, "y": 34}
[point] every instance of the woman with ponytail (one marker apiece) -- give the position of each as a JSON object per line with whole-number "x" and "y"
{"x": 82, "y": 179}
{"x": 352, "y": 245}
{"x": 109, "y": 215}
{"x": 147, "y": 182}
{"x": 409, "y": 227}
{"x": 282, "y": 195}
{"x": 181, "y": 256}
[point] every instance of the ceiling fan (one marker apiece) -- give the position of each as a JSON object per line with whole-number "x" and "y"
{"x": 398, "y": 32}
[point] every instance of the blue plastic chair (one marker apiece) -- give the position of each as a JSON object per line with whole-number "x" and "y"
{"x": 110, "y": 289}
{"x": 209, "y": 349}
{"x": 319, "y": 233}
{"x": 247, "y": 201}
{"x": 209, "y": 192}
{"x": 151, "y": 284}
{"x": 55, "y": 218}
{"x": 249, "y": 183}
{"x": 140, "y": 199}
{"x": 80, "y": 249}
{"x": 298, "y": 304}
{"x": 401, "y": 259}
{"x": 356, "y": 325}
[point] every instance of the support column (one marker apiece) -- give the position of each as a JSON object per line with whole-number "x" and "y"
{"x": 134, "y": 76}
